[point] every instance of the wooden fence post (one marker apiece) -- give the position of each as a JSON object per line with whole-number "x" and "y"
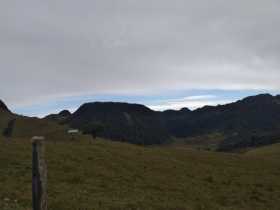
{"x": 39, "y": 174}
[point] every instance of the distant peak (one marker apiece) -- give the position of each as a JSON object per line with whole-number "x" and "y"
{"x": 3, "y": 106}
{"x": 114, "y": 105}
{"x": 264, "y": 95}
{"x": 185, "y": 109}
{"x": 259, "y": 98}
{"x": 64, "y": 113}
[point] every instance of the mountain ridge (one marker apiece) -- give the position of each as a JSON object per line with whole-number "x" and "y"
{"x": 134, "y": 123}
{"x": 249, "y": 122}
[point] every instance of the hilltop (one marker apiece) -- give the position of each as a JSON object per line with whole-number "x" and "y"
{"x": 61, "y": 117}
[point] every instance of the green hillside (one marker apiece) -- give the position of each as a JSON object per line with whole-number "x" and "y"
{"x": 110, "y": 175}
{"x": 27, "y": 127}
{"x": 5, "y": 117}
{"x": 271, "y": 152}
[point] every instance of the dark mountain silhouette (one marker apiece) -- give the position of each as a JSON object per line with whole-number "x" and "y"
{"x": 61, "y": 117}
{"x": 173, "y": 113}
{"x": 65, "y": 113}
{"x": 251, "y": 122}
{"x": 261, "y": 112}
{"x": 3, "y": 107}
{"x": 132, "y": 123}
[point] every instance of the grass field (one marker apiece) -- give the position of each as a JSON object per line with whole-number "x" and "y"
{"x": 108, "y": 175}
{"x": 271, "y": 152}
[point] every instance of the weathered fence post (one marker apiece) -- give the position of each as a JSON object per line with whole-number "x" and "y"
{"x": 39, "y": 174}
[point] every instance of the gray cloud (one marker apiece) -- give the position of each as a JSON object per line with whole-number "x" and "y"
{"x": 57, "y": 48}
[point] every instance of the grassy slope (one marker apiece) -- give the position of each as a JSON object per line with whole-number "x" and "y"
{"x": 205, "y": 142}
{"x": 27, "y": 127}
{"x": 4, "y": 119}
{"x": 271, "y": 152}
{"x": 108, "y": 175}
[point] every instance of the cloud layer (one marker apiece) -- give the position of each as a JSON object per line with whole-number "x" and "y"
{"x": 52, "y": 49}
{"x": 191, "y": 102}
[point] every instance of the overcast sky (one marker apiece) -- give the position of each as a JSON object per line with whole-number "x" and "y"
{"x": 61, "y": 50}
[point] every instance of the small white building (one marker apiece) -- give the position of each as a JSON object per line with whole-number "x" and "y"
{"x": 73, "y": 131}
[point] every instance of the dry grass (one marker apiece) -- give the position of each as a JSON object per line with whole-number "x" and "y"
{"x": 105, "y": 175}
